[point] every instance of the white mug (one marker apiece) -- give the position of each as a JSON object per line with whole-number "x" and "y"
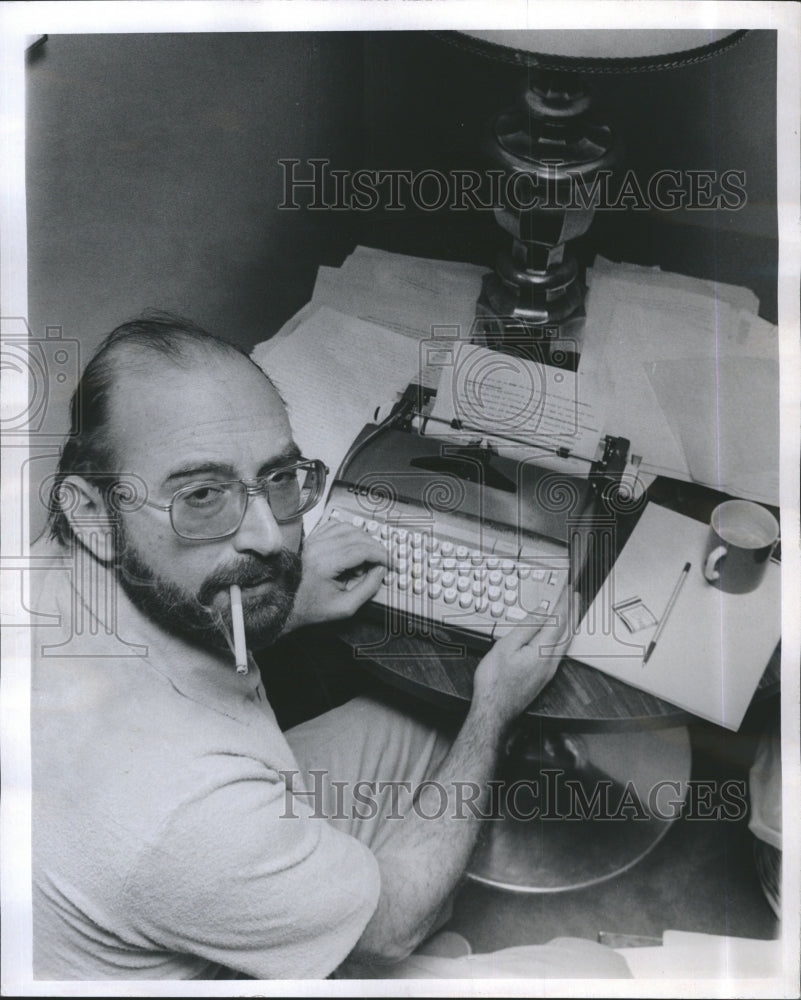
{"x": 741, "y": 541}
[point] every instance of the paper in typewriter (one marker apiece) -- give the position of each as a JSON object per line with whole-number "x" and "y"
{"x": 518, "y": 401}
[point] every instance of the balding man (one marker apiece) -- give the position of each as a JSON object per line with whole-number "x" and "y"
{"x": 177, "y": 833}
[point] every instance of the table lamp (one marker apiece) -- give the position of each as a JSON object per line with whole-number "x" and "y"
{"x": 551, "y": 145}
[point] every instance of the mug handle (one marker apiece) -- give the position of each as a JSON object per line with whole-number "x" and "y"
{"x": 712, "y": 559}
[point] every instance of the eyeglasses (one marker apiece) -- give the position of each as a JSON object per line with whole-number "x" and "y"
{"x": 210, "y": 510}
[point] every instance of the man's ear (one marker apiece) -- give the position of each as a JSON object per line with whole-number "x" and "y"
{"x": 87, "y": 515}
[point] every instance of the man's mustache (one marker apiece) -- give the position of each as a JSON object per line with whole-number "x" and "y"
{"x": 250, "y": 571}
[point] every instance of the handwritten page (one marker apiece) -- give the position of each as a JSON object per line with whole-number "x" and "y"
{"x": 713, "y": 648}
{"x": 333, "y": 372}
{"x": 518, "y": 400}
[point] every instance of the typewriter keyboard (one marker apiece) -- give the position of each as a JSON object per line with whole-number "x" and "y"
{"x": 443, "y": 573}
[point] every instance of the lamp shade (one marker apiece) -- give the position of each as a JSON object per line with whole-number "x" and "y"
{"x": 598, "y": 51}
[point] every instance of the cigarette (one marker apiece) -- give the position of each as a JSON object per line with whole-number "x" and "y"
{"x": 238, "y": 621}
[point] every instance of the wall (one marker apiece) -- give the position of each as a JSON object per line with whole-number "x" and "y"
{"x": 152, "y": 181}
{"x": 153, "y": 176}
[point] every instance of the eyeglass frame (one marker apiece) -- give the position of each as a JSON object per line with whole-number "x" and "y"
{"x": 253, "y": 487}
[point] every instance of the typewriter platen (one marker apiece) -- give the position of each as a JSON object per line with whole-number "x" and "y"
{"x": 480, "y": 540}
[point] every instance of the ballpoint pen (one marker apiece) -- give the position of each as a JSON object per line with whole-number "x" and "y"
{"x": 668, "y": 609}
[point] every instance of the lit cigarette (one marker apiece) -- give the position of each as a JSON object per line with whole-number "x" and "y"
{"x": 238, "y": 621}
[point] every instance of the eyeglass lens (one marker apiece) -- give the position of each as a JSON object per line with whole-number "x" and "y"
{"x": 215, "y": 509}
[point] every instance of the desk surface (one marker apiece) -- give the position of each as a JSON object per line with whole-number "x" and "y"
{"x": 578, "y": 698}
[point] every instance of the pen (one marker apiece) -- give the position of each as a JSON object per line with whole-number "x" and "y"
{"x": 668, "y": 609}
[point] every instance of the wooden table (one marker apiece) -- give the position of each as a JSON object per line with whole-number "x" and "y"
{"x": 579, "y": 698}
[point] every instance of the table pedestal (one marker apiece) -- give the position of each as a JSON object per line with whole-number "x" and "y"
{"x": 576, "y": 809}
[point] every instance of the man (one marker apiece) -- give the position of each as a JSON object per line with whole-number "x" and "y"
{"x": 177, "y": 833}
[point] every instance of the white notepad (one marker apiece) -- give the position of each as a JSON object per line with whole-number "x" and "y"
{"x": 714, "y": 647}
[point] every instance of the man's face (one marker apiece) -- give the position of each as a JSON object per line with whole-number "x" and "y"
{"x": 215, "y": 421}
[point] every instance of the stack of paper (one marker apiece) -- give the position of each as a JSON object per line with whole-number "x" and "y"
{"x": 692, "y": 374}
{"x": 333, "y": 372}
{"x": 357, "y": 343}
{"x": 725, "y": 412}
{"x": 414, "y": 296}
{"x": 713, "y": 647}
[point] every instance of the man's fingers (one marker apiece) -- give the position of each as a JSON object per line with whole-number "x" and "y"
{"x": 541, "y": 627}
{"x": 341, "y": 550}
{"x": 328, "y": 531}
{"x": 323, "y": 528}
{"x": 361, "y": 588}
{"x": 337, "y": 529}
{"x": 359, "y": 550}
{"x": 567, "y": 613}
{"x": 561, "y": 621}
{"x": 517, "y": 636}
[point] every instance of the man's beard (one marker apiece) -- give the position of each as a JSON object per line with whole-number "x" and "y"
{"x": 195, "y": 616}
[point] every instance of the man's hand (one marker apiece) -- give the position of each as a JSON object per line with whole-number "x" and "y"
{"x": 342, "y": 568}
{"x": 520, "y": 664}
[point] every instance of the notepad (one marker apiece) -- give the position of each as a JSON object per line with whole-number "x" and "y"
{"x": 714, "y": 647}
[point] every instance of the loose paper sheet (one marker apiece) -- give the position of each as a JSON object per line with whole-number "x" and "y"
{"x": 410, "y": 295}
{"x": 336, "y": 364}
{"x": 639, "y": 316}
{"x": 726, "y": 416}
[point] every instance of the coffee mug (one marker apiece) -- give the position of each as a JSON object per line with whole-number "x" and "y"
{"x": 742, "y": 537}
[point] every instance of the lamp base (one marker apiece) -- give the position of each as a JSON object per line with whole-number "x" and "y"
{"x": 556, "y": 342}
{"x": 551, "y": 147}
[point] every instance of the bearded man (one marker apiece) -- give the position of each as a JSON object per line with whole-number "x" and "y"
{"x": 177, "y": 832}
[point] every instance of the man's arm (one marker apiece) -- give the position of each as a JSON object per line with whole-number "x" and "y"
{"x": 421, "y": 865}
{"x": 423, "y": 862}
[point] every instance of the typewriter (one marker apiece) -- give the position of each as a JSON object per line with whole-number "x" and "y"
{"x": 480, "y": 541}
